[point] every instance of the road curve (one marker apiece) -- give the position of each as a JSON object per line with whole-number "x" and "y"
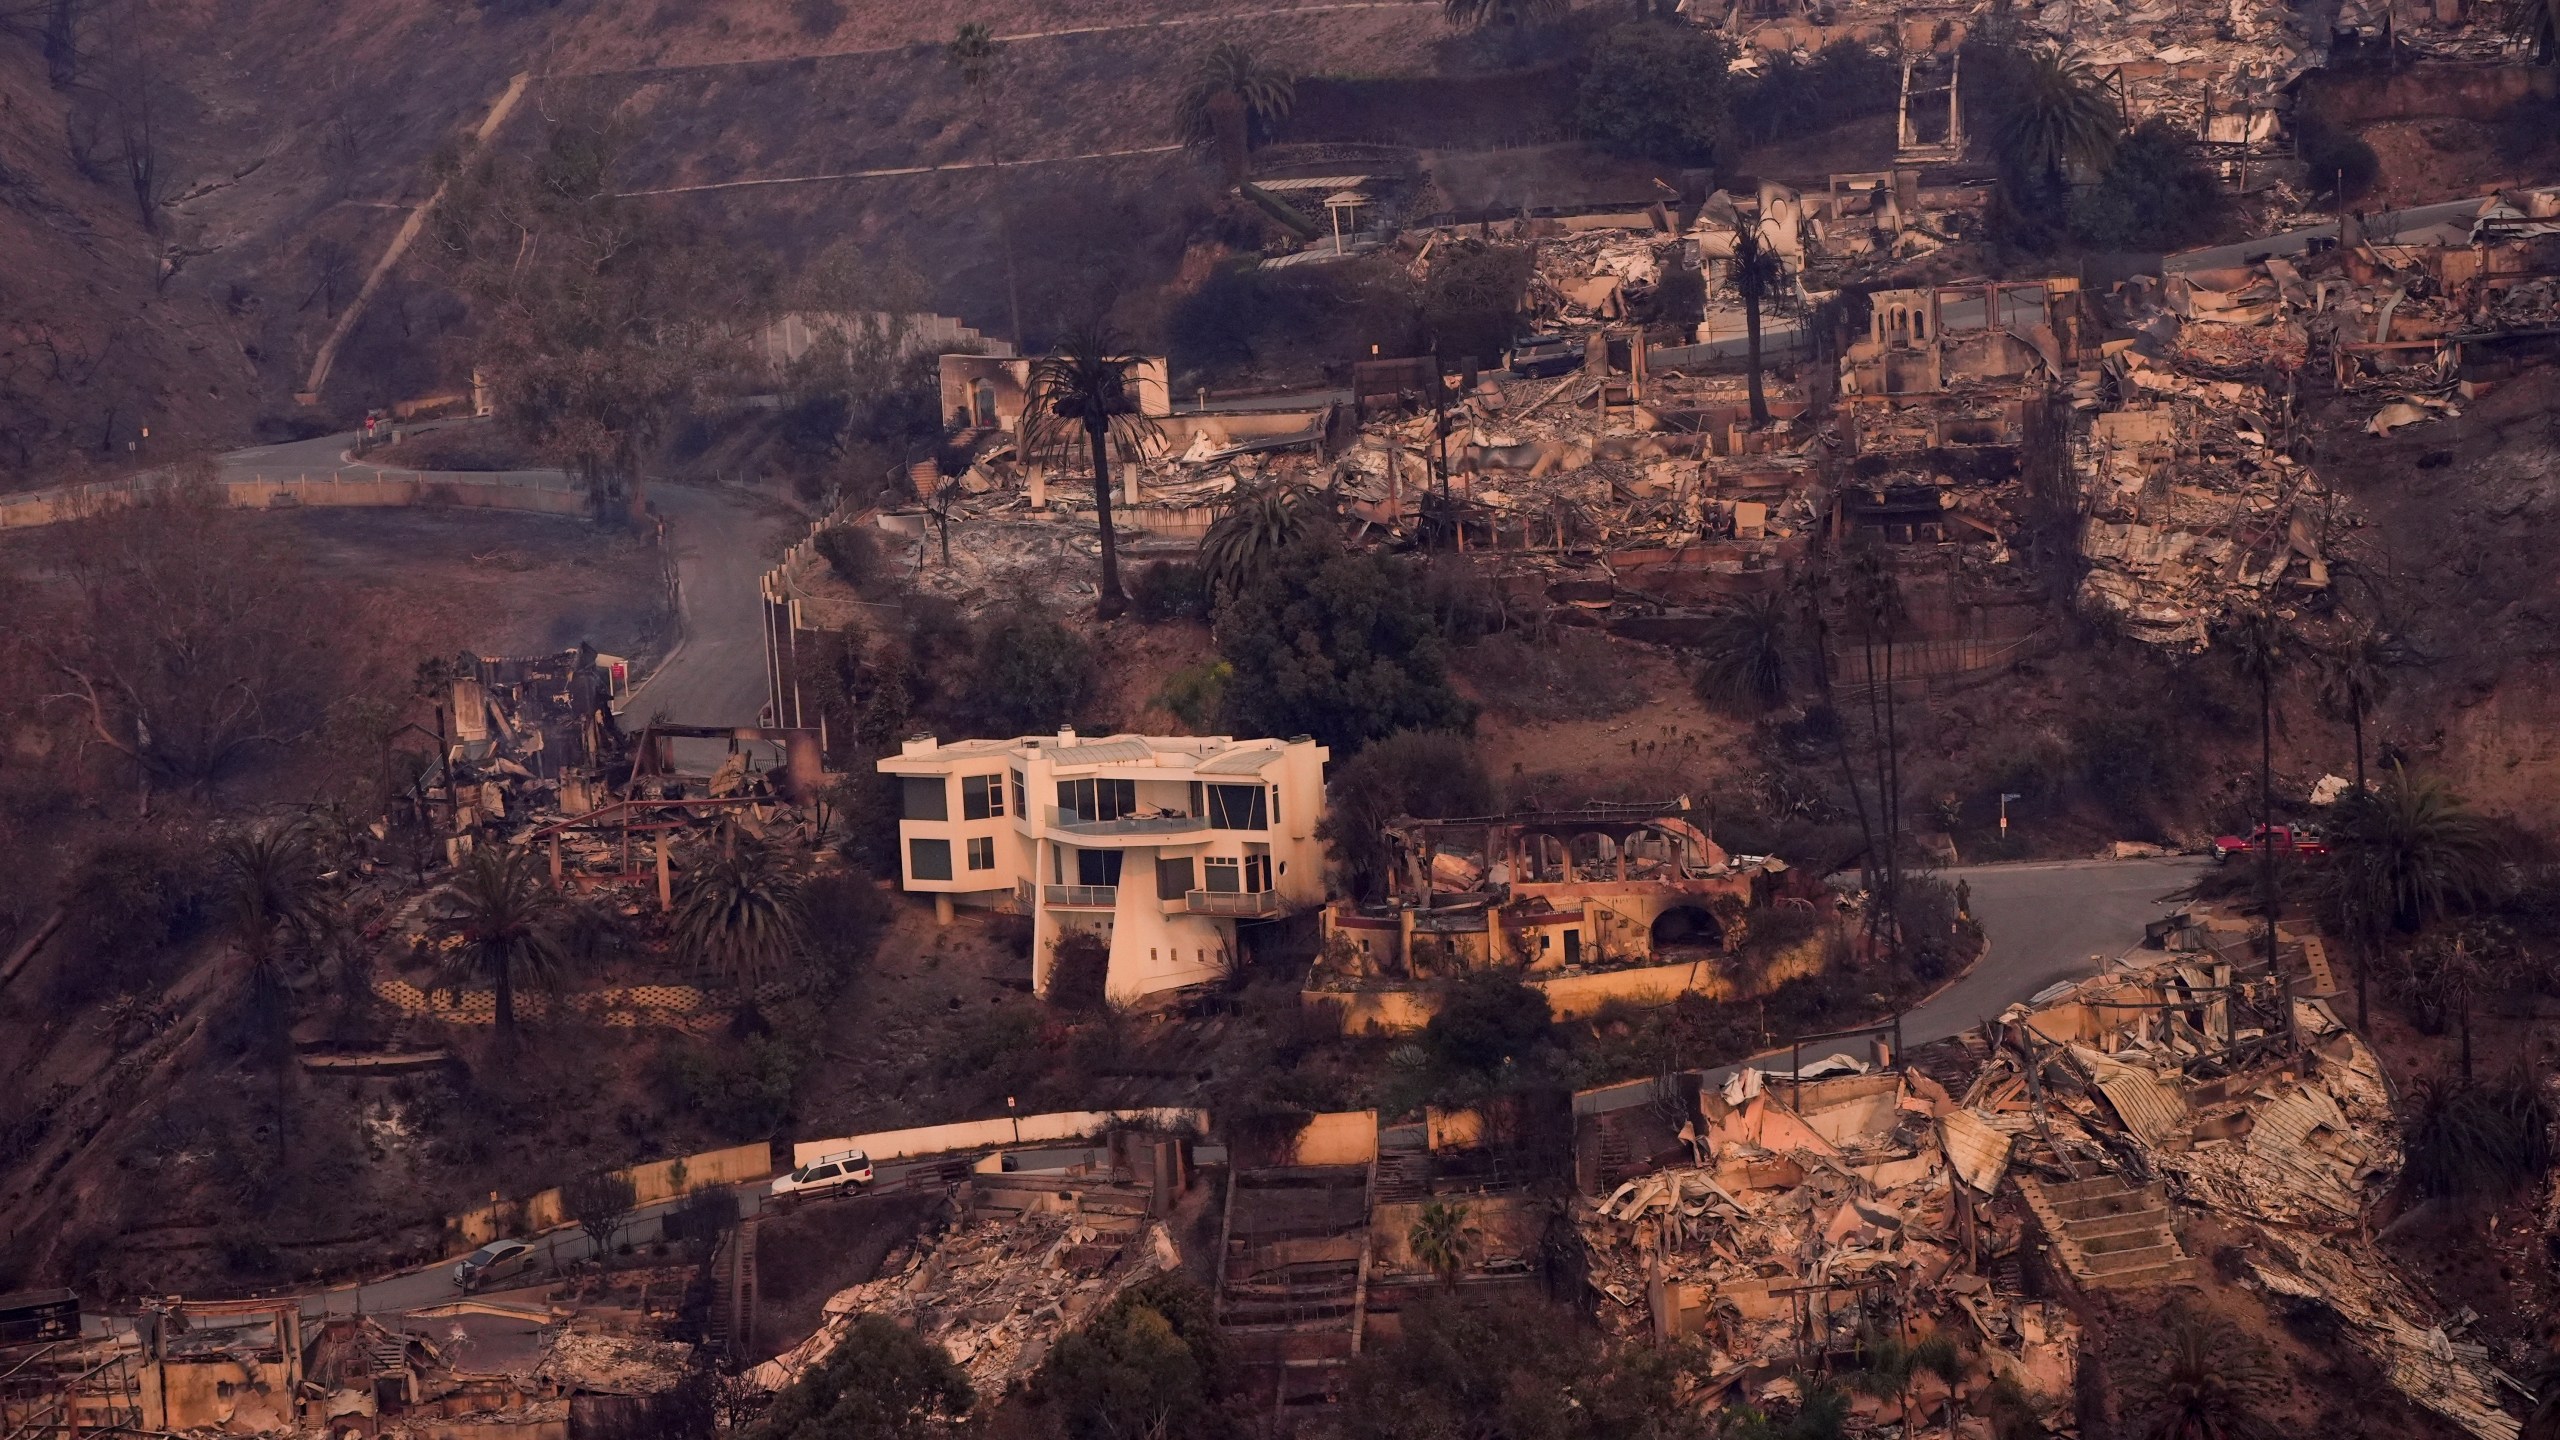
{"x": 714, "y": 675}
{"x": 2042, "y": 922}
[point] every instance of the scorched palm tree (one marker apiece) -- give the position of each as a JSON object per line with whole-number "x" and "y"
{"x": 1084, "y": 396}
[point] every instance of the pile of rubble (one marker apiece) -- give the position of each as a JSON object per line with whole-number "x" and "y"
{"x": 1818, "y": 1212}
{"x": 2192, "y": 458}
{"x": 1805, "y": 1217}
{"x": 994, "y": 1292}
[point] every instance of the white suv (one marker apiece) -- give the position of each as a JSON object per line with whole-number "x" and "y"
{"x": 830, "y": 1172}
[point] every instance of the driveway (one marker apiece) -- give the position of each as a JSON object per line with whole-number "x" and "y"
{"x": 2042, "y": 922}
{"x": 724, "y": 544}
{"x": 715, "y": 675}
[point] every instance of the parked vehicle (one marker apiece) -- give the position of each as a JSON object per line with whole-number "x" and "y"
{"x": 2283, "y": 839}
{"x": 1541, "y": 356}
{"x": 497, "y": 1260}
{"x": 849, "y": 1169}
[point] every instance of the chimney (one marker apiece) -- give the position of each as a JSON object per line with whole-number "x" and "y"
{"x": 1066, "y": 734}
{"x": 919, "y": 745}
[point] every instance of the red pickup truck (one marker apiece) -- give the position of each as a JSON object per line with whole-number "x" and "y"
{"x": 2282, "y": 839}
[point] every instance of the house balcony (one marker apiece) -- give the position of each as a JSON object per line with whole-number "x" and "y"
{"x": 1239, "y": 905}
{"x": 1133, "y": 826}
{"x": 1080, "y": 897}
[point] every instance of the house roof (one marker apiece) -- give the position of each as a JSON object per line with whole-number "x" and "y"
{"x": 1242, "y": 760}
{"x": 1117, "y": 751}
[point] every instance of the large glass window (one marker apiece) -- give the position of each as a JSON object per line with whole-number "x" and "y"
{"x": 1173, "y": 877}
{"x": 982, "y": 853}
{"x": 1221, "y": 875}
{"x": 925, "y": 798}
{"x": 981, "y": 797}
{"x": 1093, "y": 800}
{"x": 1021, "y": 806}
{"x": 1098, "y": 867}
{"x": 1237, "y": 807}
{"x": 928, "y": 859}
{"x": 1257, "y": 871}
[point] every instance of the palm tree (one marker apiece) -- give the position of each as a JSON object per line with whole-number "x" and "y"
{"x": 741, "y": 910}
{"x": 271, "y": 903}
{"x": 2357, "y": 681}
{"x": 1230, "y": 95}
{"x": 1477, "y": 14}
{"x": 1754, "y": 273}
{"x": 1875, "y": 599}
{"x": 1242, "y": 544}
{"x": 505, "y": 915}
{"x": 271, "y": 899}
{"x": 1085, "y": 396}
{"x": 1442, "y": 1240}
{"x": 1747, "y": 649}
{"x": 972, "y": 52}
{"x": 2059, "y": 116}
{"x": 2414, "y": 849}
{"x": 2257, "y": 642}
{"x": 2205, "y": 1379}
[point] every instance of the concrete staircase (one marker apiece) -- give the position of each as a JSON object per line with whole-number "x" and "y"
{"x": 2109, "y": 1233}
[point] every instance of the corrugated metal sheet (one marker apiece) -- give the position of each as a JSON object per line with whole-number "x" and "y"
{"x": 2152, "y": 1111}
{"x": 1978, "y": 1152}
{"x": 1239, "y": 761}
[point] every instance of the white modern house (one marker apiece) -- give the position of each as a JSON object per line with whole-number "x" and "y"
{"x": 1159, "y": 844}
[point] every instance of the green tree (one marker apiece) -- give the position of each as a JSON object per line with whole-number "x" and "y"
{"x": 504, "y": 912}
{"x": 2201, "y": 1378}
{"x": 2414, "y": 850}
{"x": 271, "y": 902}
{"x": 881, "y": 1382}
{"x": 2057, "y": 115}
{"x": 1149, "y": 1365}
{"x": 1232, "y": 98}
{"x": 740, "y": 911}
{"x": 2153, "y": 195}
{"x": 1442, "y": 1241}
{"x": 2255, "y": 640}
{"x": 1487, "y": 1019}
{"x": 1421, "y": 774}
{"x": 1471, "y": 299}
{"x": 1657, "y": 91}
{"x": 1257, "y": 525}
{"x": 1030, "y": 675}
{"x": 1329, "y": 644}
{"x": 1746, "y": 655}
{"x": 1084, "y": 395}
{"x": 1754, "y": 274}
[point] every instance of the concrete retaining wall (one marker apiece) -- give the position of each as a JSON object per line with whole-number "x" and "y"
{"x": 650, "y": 1184}
{"x": 988, "y": 1134}
{"x": 542, "y": 492}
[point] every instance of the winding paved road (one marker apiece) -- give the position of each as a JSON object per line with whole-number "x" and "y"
{"x": 715, "y": 673}
{"x": 2044, "y": 921}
